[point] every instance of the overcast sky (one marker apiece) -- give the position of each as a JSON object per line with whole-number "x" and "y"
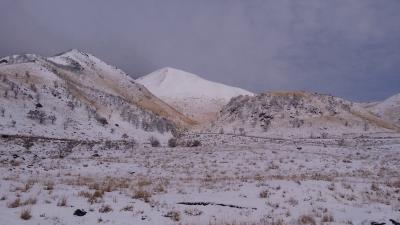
{"x": 348, "y": 48}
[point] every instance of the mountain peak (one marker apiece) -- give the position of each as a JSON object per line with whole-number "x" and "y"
{"x": 191, "y": 94}
{"x": 171, "y": 82}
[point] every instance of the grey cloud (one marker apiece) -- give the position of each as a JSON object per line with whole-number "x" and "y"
{"x": 349, "y": 48}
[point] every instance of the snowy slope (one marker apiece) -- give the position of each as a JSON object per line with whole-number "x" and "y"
{"x": 76, "y": 95}
{"x": 297, "y": 114}
{"x": 192, "y": 95}
{"x": 388, "y": 110}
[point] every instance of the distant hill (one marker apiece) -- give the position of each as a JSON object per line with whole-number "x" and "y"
{"x": 296, "y": 114}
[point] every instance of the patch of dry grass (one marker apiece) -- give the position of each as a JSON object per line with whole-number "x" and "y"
{"x": 142, "y": 194}
{"x": 14, "y": 204}
{"x": 105, "y": 209}
{"x": 25, "y": 214}
{"x": 264, "y": 194}
{"x": 62, "y": 202}
{"x": 173, "y": 215}
{"x": 92, "y": 197}
{"x": 306, "y": 220}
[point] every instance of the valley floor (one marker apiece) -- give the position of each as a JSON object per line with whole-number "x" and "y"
{"x": 247, "y": 181}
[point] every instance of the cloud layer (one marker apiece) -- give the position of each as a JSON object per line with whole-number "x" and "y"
{"x": 348, "y": 48}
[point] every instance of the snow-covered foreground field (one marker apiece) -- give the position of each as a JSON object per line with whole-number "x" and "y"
{"x": 250, "y": 182}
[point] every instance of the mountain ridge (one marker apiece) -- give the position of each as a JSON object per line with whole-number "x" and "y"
{"x": 101, "y": 101}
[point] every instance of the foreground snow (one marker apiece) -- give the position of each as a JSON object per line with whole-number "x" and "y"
{"x": 265, "y": 181}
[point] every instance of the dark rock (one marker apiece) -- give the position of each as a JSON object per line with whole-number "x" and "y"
{"x": 15, "y": 156}
{"x": 80, "y": 212}
{"x": 394, "y": 222}
{"x": 38, "y": 105}
{"x": 376, "y": 223}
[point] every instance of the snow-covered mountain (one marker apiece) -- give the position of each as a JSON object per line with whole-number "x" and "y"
{"x": 297, "y": 114}
{"x": 76, "y": 95}
{"x": 190, "y": 94}
{"x": 388, "y": 109}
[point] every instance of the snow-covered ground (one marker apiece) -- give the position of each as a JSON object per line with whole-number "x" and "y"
{"x": 228, "y": 180}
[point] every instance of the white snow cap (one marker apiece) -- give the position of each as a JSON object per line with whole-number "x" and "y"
{"x": 174, "y": 83}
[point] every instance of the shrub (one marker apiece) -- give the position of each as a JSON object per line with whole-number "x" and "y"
{"x": 103, "y": 121}
{"x": 37, "y": 115}
{"x": 172, "y": 143}
{"x": 193, "y": 143}
{"x": 196, "y": 143}
{"x": 264, "y": 194}
{"x": 154, "y": 142}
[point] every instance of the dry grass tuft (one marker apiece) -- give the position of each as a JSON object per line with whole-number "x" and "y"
{"x": 14, "y": 204}
{"x": 193, "y": 212}
{"x": 327, "y": 218}
{"x": 62, "y": 202}
{"x": 142, "y": 194}
{"x": 264, "y": 194}
{"x": 174, "y": 215}
{"x": 92, "y": 197}
{"x": 143, "y": 181}
{"x": 306, "y": 220}
{"x": 105, "y": 209}
{"x": 128, "y": 208}
{"x": 30, "y": 201}
{"x": 49, "y": 185}
{"x": 25, "y": 214}
{"x": 28, "y": 185}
